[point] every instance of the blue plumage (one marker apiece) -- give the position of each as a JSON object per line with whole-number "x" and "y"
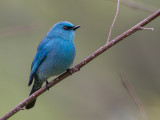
{"x": 55, "y": 54}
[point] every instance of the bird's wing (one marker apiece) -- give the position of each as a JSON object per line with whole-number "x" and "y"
{"x": 38, "y": 60}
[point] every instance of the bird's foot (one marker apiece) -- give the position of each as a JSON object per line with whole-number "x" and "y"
{"x": 47, "y": 85}
{"x": 69, "y": 70}
{"x": 72, "y": 70}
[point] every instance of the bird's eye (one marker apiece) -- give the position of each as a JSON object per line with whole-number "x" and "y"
{"x": 66, "y": 28}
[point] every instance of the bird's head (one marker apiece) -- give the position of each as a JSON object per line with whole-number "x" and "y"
{"x": 64, "y": 30}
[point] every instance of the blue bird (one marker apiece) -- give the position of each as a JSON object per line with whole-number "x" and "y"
{"x": 55, "y": 54}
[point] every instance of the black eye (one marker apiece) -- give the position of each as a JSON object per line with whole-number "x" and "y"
{"x": 66, "y": 27}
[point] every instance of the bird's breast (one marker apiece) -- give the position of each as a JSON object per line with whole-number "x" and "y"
{"x": 59, "y": 59}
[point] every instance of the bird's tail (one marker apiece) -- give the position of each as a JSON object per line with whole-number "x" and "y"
{"x": 36, "y": 86}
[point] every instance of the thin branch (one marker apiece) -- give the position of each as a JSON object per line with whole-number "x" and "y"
{"x": 110, "y": 32}
{"x": 134, "y": 96}
{"x": 81, "y": 64}
{"x": 144, "y": 28}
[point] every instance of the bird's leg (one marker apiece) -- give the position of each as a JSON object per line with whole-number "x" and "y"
{"x": 47, "y": 85}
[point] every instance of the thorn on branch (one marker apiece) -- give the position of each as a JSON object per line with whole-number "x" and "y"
{"x": 144, "y": 28}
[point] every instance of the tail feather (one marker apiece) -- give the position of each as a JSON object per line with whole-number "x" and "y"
{"x": 37, "y": 85}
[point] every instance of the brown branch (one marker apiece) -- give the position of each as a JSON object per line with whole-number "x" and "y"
{"x": 132, "y": 93}
{"x": 111, "y": 28}
{"x": 81, "y": 64}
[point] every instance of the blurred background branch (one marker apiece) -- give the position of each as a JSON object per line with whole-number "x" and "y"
{"x": 19, "y": 29}
{"x": 138, "y": 5}
{"x": 135, "y": 98}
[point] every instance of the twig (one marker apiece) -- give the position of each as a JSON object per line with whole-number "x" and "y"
{"x": 81, "y": 64}
{"x": 134, "y": 96}
{"x": 144, "y": 28}
{"x": 110, "y": 32}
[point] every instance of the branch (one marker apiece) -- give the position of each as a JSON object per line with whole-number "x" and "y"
{"x": 81, "y": 64}
{"x": 108, "y": 39}
{"x": 132, "y": 93}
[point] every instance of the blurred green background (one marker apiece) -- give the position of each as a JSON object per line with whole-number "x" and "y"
{"x": 96, "y": 92}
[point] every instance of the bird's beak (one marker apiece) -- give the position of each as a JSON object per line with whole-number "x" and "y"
{"x": 75, "y": 27}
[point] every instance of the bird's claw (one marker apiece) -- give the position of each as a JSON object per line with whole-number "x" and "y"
{"x": 72, "y": 70}
{"x": 47, "y": 85}
{"x": 69, "y": 70}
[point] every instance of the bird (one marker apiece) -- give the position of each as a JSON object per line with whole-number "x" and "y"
{"x": 55, "y": 54}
